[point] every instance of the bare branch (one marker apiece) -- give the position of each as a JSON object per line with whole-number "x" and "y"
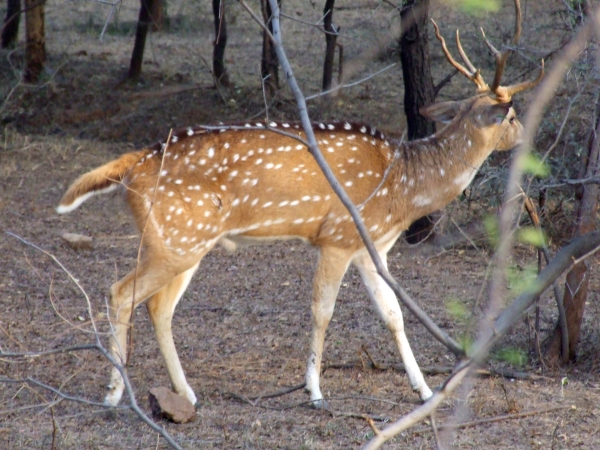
{"x": 98, "y": 346}
{"x": 73, "y": 279}
{"x": 501, "y": 418}
{"x": 313, "y": 148}
{"x": 562, "y": 316}
{"x": 562, "y": 262}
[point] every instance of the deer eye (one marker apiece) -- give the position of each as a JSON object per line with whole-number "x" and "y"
{"x": 512, "y": 120}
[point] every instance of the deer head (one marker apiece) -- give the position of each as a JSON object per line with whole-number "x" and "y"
{"x": 491, "y": 109}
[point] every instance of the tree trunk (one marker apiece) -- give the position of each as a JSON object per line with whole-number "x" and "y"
{"x": 219, "y": 69}
{"x": 331, "y": 34}
{"x": 418, "y": 88}
{"x": 576, "y": 286}
{"x": 269, "y": 64}
{"x": 10, "y": 29}
{"x": 35, "y": 51}
{"x": 137, "y": 57}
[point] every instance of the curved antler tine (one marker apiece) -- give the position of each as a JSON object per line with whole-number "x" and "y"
{"x": 502, "y": 57}
{"x": 463, "y": 55}
{"x": 519, "y": 87}
{"x": 474, "y": 75}
{"x": 449, "y": 57}
{"x": 500, "y": 62}
{"x": 493, "y": 49}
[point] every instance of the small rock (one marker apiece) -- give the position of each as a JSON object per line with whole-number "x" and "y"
{"x": 78, "y": 241}
{"x": 164, "y": 402}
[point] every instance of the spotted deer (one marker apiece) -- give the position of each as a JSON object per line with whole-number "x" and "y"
{"x": 248, "y": 184}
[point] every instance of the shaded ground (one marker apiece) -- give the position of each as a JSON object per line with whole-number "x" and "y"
{"x": 242, "y": 327}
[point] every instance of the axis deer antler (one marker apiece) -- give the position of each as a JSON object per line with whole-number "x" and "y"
{"x": 245, "y": 184}
{"x": 502, "y": 93}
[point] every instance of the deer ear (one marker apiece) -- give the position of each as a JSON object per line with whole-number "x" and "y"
{"x": 441, "y": 112}
{"x": 494, "y": 115}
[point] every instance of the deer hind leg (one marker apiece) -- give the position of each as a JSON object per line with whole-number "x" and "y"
{"x": 331, "y": 268}
{"x": 388, "y": 309}
{"x": 161, "y": 307}
{"x": 138, "y": 285}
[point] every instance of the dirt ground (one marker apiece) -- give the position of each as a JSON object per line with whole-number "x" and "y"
{"x": 243, "y": 325}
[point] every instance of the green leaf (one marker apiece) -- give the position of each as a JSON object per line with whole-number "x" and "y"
{"x": 492, "y": 229}
{"x": 512, "y": 356}
{"x": 466, "y": 343}
{"x": 456, "y": 310}
{"x": 531, "y": 163}
{"x": 477, "y": 7}
{"x": 532, "y": 236}
{"x": 521, "y": 279}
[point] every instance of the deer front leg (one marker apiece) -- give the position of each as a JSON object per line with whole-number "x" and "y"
{"x": 387, "y": 306}
{"x": 330, "y": 270}
{"x": 161, "y": 307}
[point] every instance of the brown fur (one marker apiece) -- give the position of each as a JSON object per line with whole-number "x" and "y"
{"x": 101, "y": 178}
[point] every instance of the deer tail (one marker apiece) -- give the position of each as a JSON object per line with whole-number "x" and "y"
{"x": 101, "y": 180}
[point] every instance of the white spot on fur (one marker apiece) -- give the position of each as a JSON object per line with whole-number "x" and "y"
{"x": 421, "y": 200}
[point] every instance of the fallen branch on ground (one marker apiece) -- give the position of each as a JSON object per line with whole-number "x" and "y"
{"x": 474, "y": 423}
{"x": 439, "y": 370}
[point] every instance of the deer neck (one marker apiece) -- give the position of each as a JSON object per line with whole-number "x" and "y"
{"x": 433, "y": 171}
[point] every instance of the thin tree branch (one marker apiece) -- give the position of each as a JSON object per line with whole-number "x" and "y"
{"x": 566, "y": 258}
{"x": 562, "y": 316}
{"x": 313, "y": 148}
{"x": 501, "y": 418}
{"x": 133, "y": 405}
{"x": 73, "y": 279}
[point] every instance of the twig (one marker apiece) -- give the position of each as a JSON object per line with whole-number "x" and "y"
{"x": 347, "y": 85}
{"x": 311, "y": 143}
{"x": 501, "y": 418}
{"x": 133, "y": 402}
{"x": 53, "y": 446}
{"x": 113, "y": 6}
{"x": 434, "y": 428}
{"x": 366, "y": 397}
{"x": 447, "y": 79}
{"x": 375, "y": 365}
{"x": 60, "y": 393}
{"x": 254, "y": 401}
{"x": 323, "y": 93}
{"x": 164, "y": 92}
{"x": 441, "y": 370}
{"x": 562, "y": 262}
{"x": 533, "y": 117}
{"x": 372, "y": 425}
{"x": 73, "y": 279}
{"x": 98, "y": 346}
{"x": 562, "y": 316}
{"x": 280, "y": 393}
{"x": 48, "y": 352}
{"x": 129, "y": 350}
{"x": 439, "y": 334}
